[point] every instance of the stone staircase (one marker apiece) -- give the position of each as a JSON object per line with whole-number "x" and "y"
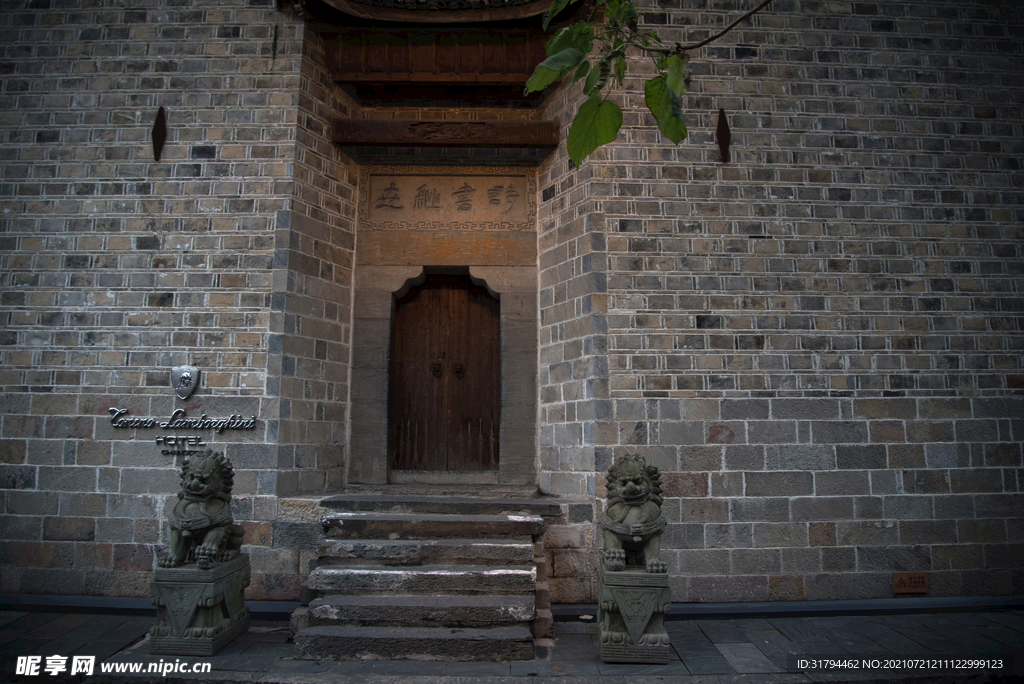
{"x": 430, "y": 577}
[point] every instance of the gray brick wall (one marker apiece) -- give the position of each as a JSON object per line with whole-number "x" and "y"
{"x": 311, "y": 311}
{"x": 115, "y": 267}
{"x": 818, "y": 343}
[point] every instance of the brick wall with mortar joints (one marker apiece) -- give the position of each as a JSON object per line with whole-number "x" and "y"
{"x": 115, "y": 266}
{"x": 766, "y": 305}
{"x": 572, "y": 368}
{"x": 858, "y": 245}
{"x": 312, "y": 312}
{"x": 571, "y": 310}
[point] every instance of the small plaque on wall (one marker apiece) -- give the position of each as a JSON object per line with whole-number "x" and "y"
{"x": 910, "y": 582}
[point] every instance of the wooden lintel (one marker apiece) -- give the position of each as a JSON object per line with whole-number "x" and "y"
{"x": 431, "y": 134}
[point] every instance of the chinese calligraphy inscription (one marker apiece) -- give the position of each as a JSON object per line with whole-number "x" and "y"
{"x": 419, "y": 201}
{"x": 388, "y": 198}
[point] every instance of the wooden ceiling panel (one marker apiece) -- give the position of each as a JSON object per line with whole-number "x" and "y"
{"x": 421, "y": 55}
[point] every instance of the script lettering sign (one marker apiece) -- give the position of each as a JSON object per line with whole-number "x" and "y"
{"x": 180, "y": 420}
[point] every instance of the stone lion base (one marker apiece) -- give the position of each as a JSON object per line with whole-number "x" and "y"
{"x": 631, "y": 615}
{"x": 198, "y": 611}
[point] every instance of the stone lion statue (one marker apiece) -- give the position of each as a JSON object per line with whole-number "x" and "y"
{"x": 202, "y": 529}
{"x": 632, "y": 521}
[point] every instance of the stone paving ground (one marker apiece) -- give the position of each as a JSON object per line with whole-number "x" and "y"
{"x": 706, "y": 651}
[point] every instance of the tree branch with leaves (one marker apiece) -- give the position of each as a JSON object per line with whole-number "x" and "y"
{"x": 598, "y": 120}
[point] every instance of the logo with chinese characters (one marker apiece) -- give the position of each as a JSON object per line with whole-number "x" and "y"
{"x": 184, "y": 380}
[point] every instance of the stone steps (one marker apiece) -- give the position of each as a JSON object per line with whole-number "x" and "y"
{"x": 356, "y": 642}
{"x": 402, "y": 552}
{"x": 425, "y": 577}
{"x": 425, "y": 580}
{"x": 376, "y": 525}
{"x": 421, "y": 611}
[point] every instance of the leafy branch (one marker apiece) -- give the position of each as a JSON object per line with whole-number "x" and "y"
{"x": 598, "y": 120}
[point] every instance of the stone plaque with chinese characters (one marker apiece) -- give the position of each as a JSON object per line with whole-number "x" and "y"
{"x": 455, "y": 202}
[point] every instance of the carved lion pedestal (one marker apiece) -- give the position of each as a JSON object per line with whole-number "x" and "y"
{"x": 631, "y": 616}
{"x": 632, "y": 586}
{"x": 199, "y": 586}
{"x": 199, "y": 611}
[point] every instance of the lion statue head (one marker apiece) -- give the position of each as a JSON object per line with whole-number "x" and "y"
{"x": 200, "y": 523}
{"x": 633, "y": 483}
{"x": 632, "y": 521}
{"x": 206, "y": 475}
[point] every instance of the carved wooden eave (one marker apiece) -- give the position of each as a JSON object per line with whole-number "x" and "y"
{"x": 434, "y": 55}
{"x": 418, "y": 66}
{"x": 441, "y": 11}
{"x": 479, "y": 143}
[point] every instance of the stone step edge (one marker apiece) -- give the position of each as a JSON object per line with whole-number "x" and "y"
{"x": 368, "y": 548}
{"x": 430, "y": 610}
{"x": 429, "y": 517}
{"x": 421, "y": 579}
{"x": 353, "y": 525}
{"x": 526, "y": 568}
{"x": 508, "y": 632}
{"x": 441, "y": 541}
{"x": 424, "y": 599}
{"x": 345, "y": 642}
{"x": 368, "y": 502}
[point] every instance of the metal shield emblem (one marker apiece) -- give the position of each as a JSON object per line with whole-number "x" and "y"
{"x": 184, "y": 379}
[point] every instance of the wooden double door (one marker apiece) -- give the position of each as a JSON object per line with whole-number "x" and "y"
{"x": 445, "y": 385}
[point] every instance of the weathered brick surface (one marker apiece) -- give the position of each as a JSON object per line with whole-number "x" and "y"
{"x": 114, "y": 267}
{"x": 834, "y": 317}
{"x": 819, "y": 343}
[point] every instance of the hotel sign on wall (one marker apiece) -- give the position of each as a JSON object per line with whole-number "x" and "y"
{"x": 184, "y": 380}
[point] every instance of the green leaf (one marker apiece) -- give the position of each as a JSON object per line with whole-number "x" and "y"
{"x": 620, "y": 68}
{"x": 631, "y": 19}
{"x": 598, "y": 76}
{"x": 581, "y": 71}
{"x": 664, "y": 104}
{"x": 591, "y": 83}
{"x": 597, "y": 122}
{"x": 625, "y": 12}
{"x": 579, "y": 36}
{"x": 556, "y": 7}
{"x": 676, "y": 70}
{"x": 568, "y": 58}
{"x": 552, "y": 68}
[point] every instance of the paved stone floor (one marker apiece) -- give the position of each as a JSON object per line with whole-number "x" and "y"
{"x": 706, "y": 651}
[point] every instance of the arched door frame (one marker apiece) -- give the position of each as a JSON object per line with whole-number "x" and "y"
{"x": 445, "y": 377}
{"x": 374, "y": 299}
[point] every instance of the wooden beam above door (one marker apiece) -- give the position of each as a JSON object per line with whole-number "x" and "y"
{"x": 427, "y": 133}
{"x": 485, "y": 142}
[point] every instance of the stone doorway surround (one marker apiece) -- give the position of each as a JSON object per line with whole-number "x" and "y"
{"x": 393, "y": 254}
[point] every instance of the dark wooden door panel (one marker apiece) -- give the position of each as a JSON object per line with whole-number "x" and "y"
{"x": 445, "y": 371}
{"x": 475, "y": 374}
